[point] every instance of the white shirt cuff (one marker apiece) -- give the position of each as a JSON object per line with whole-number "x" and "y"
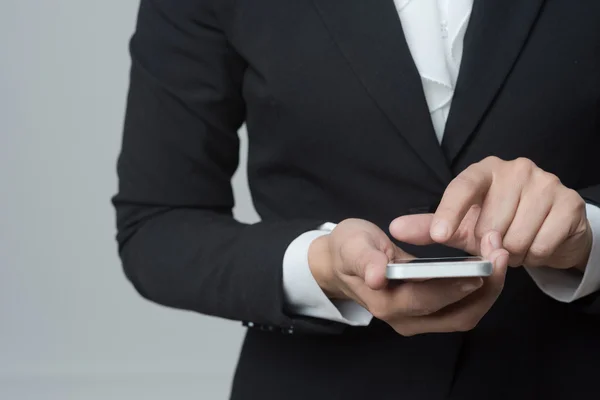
{"x": 303, "y": 295}
{"x": 568, "y": 286}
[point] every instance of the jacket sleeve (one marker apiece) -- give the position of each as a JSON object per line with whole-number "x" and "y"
{"x": 590, "y": 304}
{"x": 178, "y": 241}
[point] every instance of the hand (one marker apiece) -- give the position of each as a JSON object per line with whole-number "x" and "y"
{"x": 542, "y": 223}
{"x": 350, "y": 263}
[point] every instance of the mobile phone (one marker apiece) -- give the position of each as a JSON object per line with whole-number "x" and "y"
{"x": 433, "y": 268}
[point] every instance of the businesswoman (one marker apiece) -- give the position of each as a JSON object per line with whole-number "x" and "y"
{"x": 377, "y": 129}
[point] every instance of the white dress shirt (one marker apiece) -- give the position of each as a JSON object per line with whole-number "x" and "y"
{"x": 434, "y": 31}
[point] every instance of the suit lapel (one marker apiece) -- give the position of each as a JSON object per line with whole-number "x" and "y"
{"x": 496, "y": 34}
{"x": 370, "y": 36}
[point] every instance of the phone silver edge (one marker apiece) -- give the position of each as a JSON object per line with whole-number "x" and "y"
{"x": 434, "y": 270}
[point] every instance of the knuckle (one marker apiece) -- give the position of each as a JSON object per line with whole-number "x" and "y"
{"x": 540, "y": 250}
{"x": 545, "y": 184}
{"x": 343, "y": 223}
{"x": 524, "y": 166}
{"x": 516, "y": 245}
{"x": 491, "y": 160}
{"x": 574, "y": 200}
{"x": 344, "y": 226}
{"x": 550, "y": 180}
{"x": 350, "y": 222}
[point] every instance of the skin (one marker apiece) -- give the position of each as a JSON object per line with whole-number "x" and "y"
{"x": 510, "y": 212}
{"x": 542, "y": 222}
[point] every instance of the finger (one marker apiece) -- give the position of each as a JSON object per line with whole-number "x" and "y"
{"x": 375, "y": 270}
{"x": 491, "y": 241}
{"x": 375, "y": 275}
{"x": 533, "y": 210}
{"x": 424, "y": 298}
{"x": 466, "y": 314}
{"x": 414, "y": 229}
{"x": 375, "y": 265}
{"x": 564, "y": 219}
{"x": 499, "y": 206}
{"x": 467, "y": 189}
{"x": 417, "y": 298}
{"x": 361, "y": 256}
{"x": 464, "y": 238}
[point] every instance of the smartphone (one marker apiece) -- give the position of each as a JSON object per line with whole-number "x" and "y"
{"x": 432, "y": 268}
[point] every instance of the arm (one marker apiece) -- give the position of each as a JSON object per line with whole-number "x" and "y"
{"x": 570, "y": 285}
{"x": 178, "y": 242}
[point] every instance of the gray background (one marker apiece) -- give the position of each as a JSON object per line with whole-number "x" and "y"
{"x": 71, "y": 326}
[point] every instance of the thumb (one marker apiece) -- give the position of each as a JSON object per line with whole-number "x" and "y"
{"x": 412, "y": 229}
{"x": 374, "y": 270}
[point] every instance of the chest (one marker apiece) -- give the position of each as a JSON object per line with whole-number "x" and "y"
{"x": 322, "y": 70}
{"x": 290, "y": 45}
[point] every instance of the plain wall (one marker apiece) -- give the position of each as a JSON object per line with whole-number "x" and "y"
{"x": 71, "y": 325}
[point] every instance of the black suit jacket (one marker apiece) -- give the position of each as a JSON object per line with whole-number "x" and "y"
{"x": 338, "y": 127}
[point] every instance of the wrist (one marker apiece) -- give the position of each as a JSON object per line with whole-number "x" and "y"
{"x": 320, "y": 262}
{"x": 587, "y": 250}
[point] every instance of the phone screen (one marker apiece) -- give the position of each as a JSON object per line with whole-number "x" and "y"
{"x": 437, "y": 260}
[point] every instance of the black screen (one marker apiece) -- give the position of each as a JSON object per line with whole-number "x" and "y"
{"x": 437, "y": 260}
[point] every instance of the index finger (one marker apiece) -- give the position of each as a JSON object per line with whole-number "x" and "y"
{"x": 467, "y": 189}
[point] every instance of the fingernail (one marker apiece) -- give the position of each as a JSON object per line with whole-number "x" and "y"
{"x": 495, "y": 240}
{"x": 471, "y": 286}
{"x": 440, "y": 230}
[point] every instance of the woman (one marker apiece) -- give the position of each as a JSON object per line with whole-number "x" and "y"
{"x": 464, "y": 127}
